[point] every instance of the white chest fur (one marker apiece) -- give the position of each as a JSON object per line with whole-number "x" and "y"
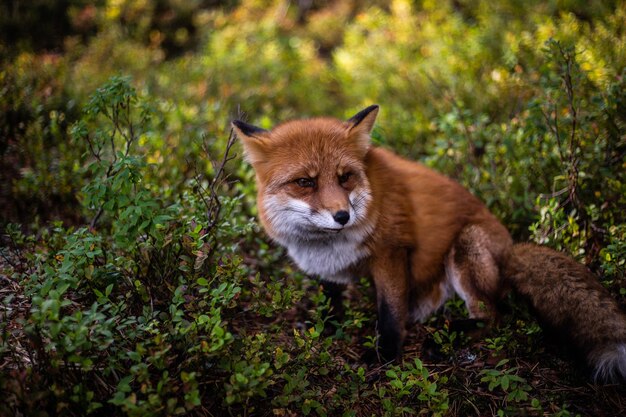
{"x": 330, "y": 259}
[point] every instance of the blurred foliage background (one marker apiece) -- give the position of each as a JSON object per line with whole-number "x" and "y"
{"x": 134, "y": 280}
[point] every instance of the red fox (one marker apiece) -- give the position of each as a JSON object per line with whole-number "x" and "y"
{"x": 344, "y": 208}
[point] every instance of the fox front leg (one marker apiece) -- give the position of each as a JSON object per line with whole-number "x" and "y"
{"x": 334, "y": 294}
{"x": 391, "y": 280}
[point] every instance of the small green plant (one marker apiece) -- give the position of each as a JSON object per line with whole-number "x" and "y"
{"x": 613, "y": 256}
{"x": 507, "y": 380}
{"x": 413, "y": 383}
{"x": 495, "y": 344}
{"x": 446, "y": 339}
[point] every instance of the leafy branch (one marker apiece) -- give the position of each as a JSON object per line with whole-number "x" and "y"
{"x": 115, "y": 102}
{"x": 565, "y": 57}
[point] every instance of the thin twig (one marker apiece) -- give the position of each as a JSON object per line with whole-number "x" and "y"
{"x": 210, "y": 195}
{"x": 218, "y": 180}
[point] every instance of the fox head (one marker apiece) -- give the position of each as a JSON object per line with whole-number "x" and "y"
{"x": 311, "y": 176}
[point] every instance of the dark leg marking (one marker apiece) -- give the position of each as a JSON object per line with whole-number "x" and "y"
{"x": 390, "y": 333}
{"x": 334, "y": 293}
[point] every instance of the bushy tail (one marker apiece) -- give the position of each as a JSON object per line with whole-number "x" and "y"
{"x": 608, "y": 362}
{"x": 571, "y": 301}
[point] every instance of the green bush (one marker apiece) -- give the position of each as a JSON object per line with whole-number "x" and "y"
{"x": 134, "y": 277}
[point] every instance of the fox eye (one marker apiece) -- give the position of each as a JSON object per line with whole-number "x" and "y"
{"x": 343, "y": 178}
{"x": 306, "y": 182}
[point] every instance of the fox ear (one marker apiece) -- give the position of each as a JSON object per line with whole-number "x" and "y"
{"x": 360, "y": 125}
{"x": 253, "y": 141}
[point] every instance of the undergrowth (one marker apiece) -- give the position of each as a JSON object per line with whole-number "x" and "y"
{"x": 136, "y": 281}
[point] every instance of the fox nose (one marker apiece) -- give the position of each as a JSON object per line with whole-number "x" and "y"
{"x": 342, "y": 217}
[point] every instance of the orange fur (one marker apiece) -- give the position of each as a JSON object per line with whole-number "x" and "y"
{"x": 344, "y": 208}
